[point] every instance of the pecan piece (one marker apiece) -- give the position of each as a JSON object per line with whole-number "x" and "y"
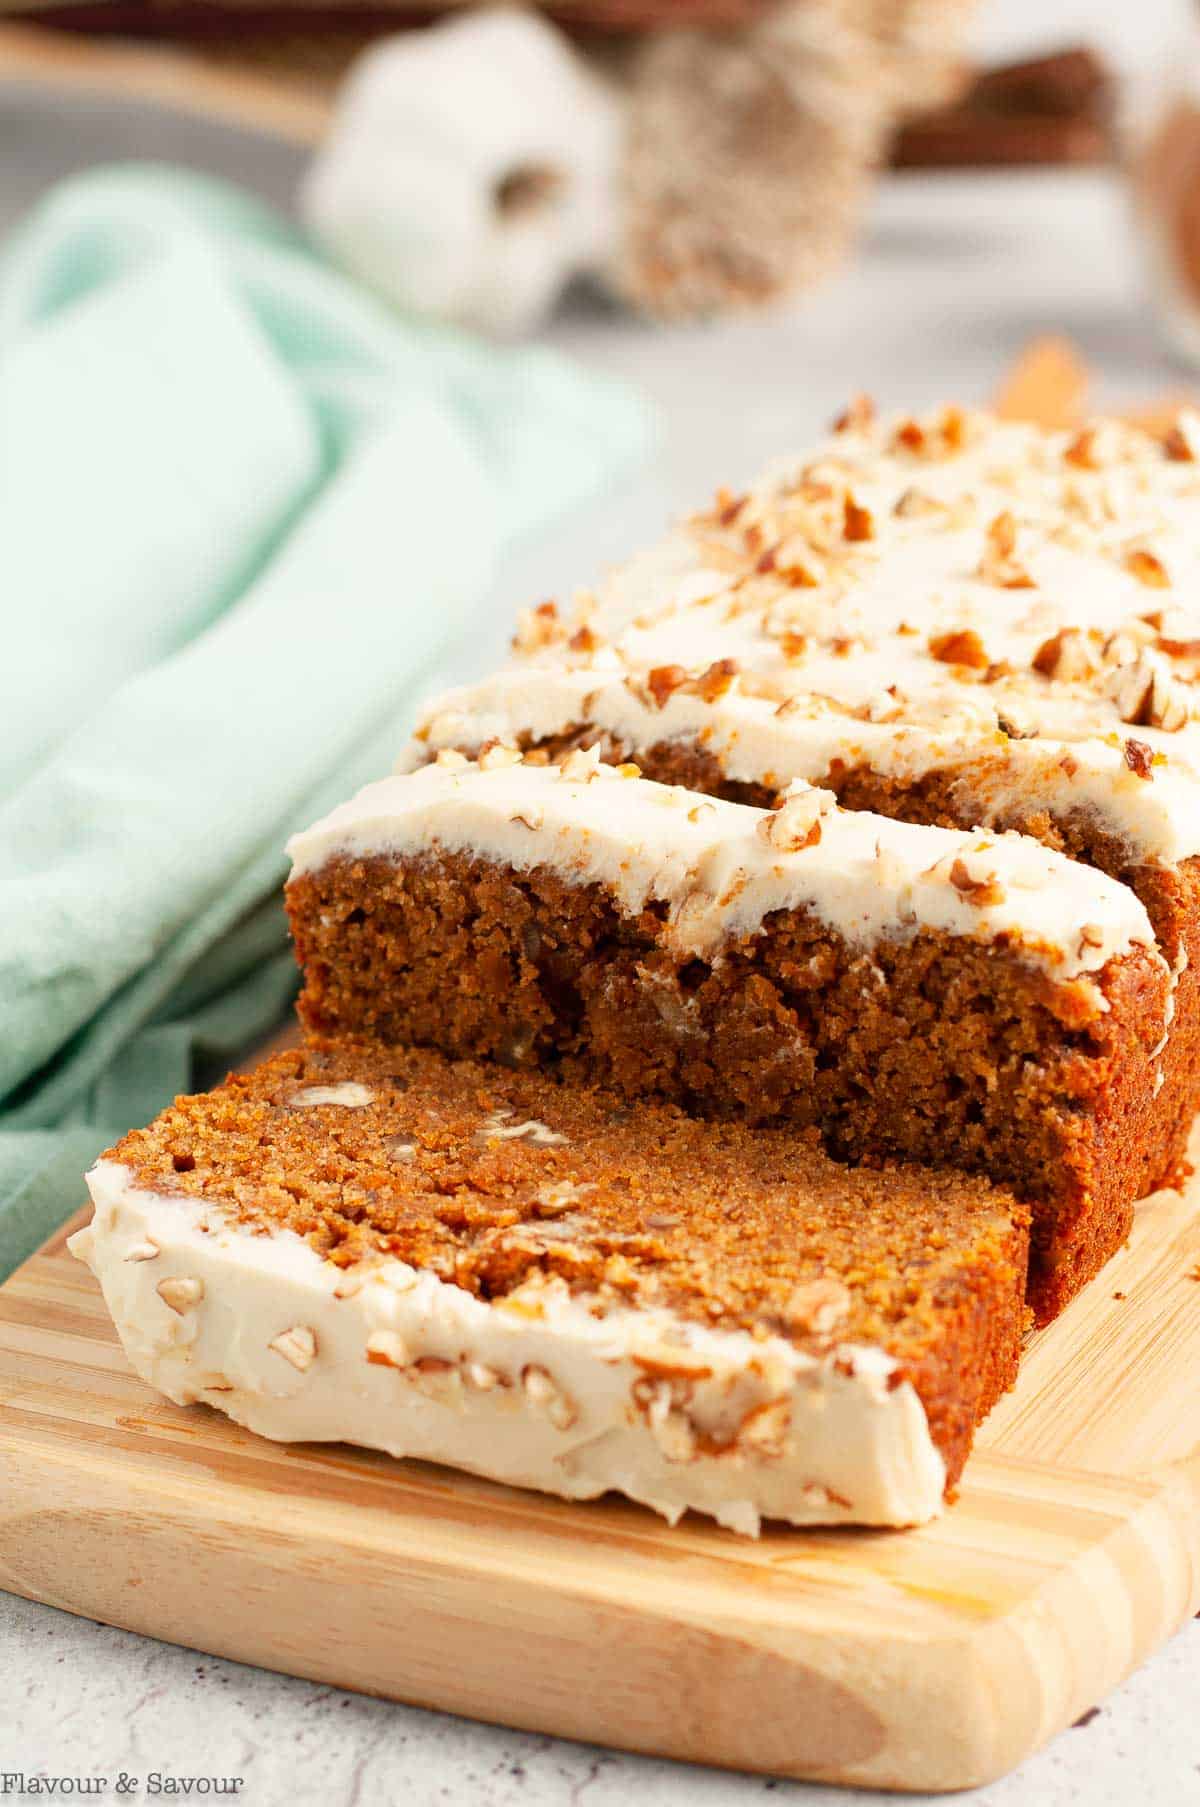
{"x": 1147, "y": 568}
{"x": 729, "y": 507}
{"x": 858, "y": 523}
{"x": 663, "y": 681}
{"x": 1065, "y": 655}
{"x": 962, "y": 646}
{"x": 1181, "y": 442}
{"x": 1139, "y": 758}
{"x": 909, "y": 436}
{"x": 796, "y": 824}
{"x": 1083, "y": 449}
{"x": 1149, "y": 695}
{"x": 716, "y": 680}
{"x": 999, "y": 564}
{"x": 538, "y": 628}
{"x": 976, "y": 889}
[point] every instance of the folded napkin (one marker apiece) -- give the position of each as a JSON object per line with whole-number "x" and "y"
{"x": 243, "y": 510}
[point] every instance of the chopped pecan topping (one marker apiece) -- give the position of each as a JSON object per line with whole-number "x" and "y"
{"x": 494, "y": 756}
{"x": 1049, "y": 655}
{"x": 1130, "y": 688}
{"x": 581, "y": 765}
{"x": 180, "y": 1292}
{"x": 954, "y": 426}
{"x": 797, "y": 573}
{"x": 1181, "y": 443}
{"x": 1147, "y": 568}
{"x": 297, "y": 1346}
{"x": 950, "y": 433}
{"x": 663, "y": 682}
{"x": 544, "y": 1392}
{"x": 960, "y": 647}
{"x": 1083, "y": 450}
{"x": 483, "y": 1378}
{"x": 716, "y": 680}
{"x": 1066, "y": 655}
{"x": 387, "y": 1349}
{"x": 729, "y": 507}
{"x": 1090, "y": 935}
{"x": 537, "y": 628}
{"x": 999, "y": 564}
{"x": 1139, "y": 758}
{"x": 857, "y": 523}
{"x": 1177, "y": 631}
{"x": 785, "y": 561}
{"x": 765, "y": 1427}
{"x": 1148, "y": 694}
{"x": 909, "y": 436}
{"x": 796, "y": 824}
{"x": 669, "y": 1361}
{"x": 979, "y": 890}
{"x": 813, "y": 489}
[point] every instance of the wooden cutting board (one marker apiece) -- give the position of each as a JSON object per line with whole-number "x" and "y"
{"x": 926, "y": 1659}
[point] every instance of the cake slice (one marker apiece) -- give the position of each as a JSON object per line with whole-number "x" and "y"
{"x": 959, "y": 999}
{"x": 542, "y": 1285}
{"x": 944, "y": 608}
{"x": 955, "y": 620}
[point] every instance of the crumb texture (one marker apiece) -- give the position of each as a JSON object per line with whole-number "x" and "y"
{"x": 934, "y": 1049}
{"x": 498, "y": 1182}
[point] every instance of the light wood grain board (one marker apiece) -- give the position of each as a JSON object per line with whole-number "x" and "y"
{"x": 923, "y": 1659}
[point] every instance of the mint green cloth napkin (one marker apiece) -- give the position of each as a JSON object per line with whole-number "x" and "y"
{"x": 243, "y": 510}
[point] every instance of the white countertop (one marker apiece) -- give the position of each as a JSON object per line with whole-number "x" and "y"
{"x": 85, "y": 1700}
{"x": 955, "y": 275}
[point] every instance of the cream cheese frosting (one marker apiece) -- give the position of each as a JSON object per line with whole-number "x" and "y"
{"x": 722, "y": 867}
{"x": 538, "y": 1391}
{"x": 957, "y": 594}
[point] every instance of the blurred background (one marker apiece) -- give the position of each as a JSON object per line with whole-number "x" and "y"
{"x": 746, "y": 209}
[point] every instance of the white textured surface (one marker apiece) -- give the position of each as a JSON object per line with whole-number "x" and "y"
{"x": 85, "y": 1698}
{"x": 949, "y": 289}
